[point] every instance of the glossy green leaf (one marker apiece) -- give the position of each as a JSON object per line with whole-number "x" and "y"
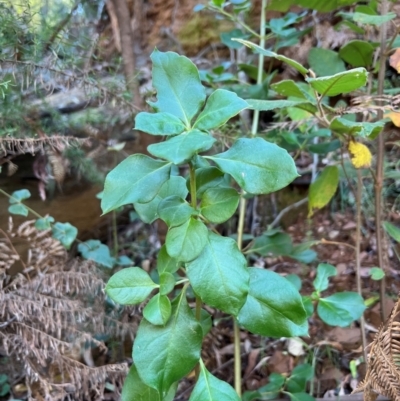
{"x": 392, "y": 230}
{"x": 159, "y": 123}
{"x": 377, "y": 273}
{"x": 295, "y": 280}
{"x": 206, "y": 322}
{"x": 175, "y": 211}
{"x": 136, "y": 390}
{"x": 185, "y": 242}
{"x": 299, "y": 377}
{"x": 357, "y": 53}
{"x": 323, "y": 6}
{"x": 130, "y": 286}
{"x": 148, "y": 212}
{"x": 165, "y": 263}
{"x": 167, "y": 283}
{"x": 289, "y": 88}
{"x": 220, "y": 107}
{"x": 308, "y": 305}
{"x": 325, "y": 62}
{"x": 363, "y": 18}
{"x": 323, "y": 188}
{"x": 219, "y": 275}
{"x": 343, "y": 82}
{"x": 20, "y": 195}
{"x": 136, "y": 179}
{"x": 273, "y": 307}
{"x": 209, "y": 388}
{"x": 267, "y": 53}
{"x": 183, "y": 147}
{"x": 226, "y": 38}
{"x": 209, "y": 177}
{"x": 19, "y": 209}
{"x": 258, "y": 166}
{"x": 158, "y": 310}
{"x": 177, "y": 81}
{"x": 342, "y": 125}
{"x": 341, "y": 309}
{"x": 267, "y": 105}
{"x": 324, "y": 271}
{"x": 219, "y": 204}
{"x": 44, "y": 223}
{"x": 165, "y": 354}
{"x": 64, "y": 232}
{"x": 96, "y": 251}
{"x": 276, "y": 244}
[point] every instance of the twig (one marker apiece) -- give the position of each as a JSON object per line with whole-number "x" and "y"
{"x": 286, "y": 210}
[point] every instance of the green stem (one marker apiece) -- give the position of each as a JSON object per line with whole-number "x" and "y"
{"x": 237, "y": 359}
{"x": 17, "y": 201}
{"x": 193, "y": 201}
{"x": 358, "y": 259}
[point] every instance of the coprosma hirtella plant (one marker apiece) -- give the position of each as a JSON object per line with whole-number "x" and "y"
{"x": 168, "y": 342}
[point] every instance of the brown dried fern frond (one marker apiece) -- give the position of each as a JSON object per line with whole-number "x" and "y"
{"x": 51, "y": 312}
{"x": 383, "y": 373}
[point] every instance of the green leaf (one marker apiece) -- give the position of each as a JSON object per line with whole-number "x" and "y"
{"x": 226, "y": 38}
{"x": 209, "y": 177}
{"x": 273, "y": 307}
{"x": 159, "y": 123}
{"x": 276, "y": 244}
{"x": 377, "y": 273}
{"x": 136, "y": 179}
{"x": 323, "y": 6}
{"x": 166, "y": 264}
{"x": 357, "y": 53}
{"x": 165, "y": 354}
{"x": 96, "y": 251}
{"x": 325, "y": 62}
{"x": 177, "y": 81}
{"x": 175, "y": 211}
{"x": 220, "y": 107}
{"x": 392, "y": 230}
{"x": 44, "y": 223}
{"x": 295, "y": 280}
{"x": 267, "y": 53}
{"x": 167, "y": 283}
{"x": 341, "y": 309}
{"x": 183, "y": 147}
{"x": 299, "y": 377}
{"x": 324, "y": 271}
{"x": 158, "y": 310}
{"x": 205, "y": 321}
{"x": 135, "y": 390}
{"x": 324, "y": 148}
{"x": 308, "y": 305}
{"x": 267, "y": 105}
{"x": 20, "y": 195}
{"x": 19, "y": 209}
{"x": 219, "y": 275}
{"x": 258, "y": 166}
{"x": 342, "y": 125}
{"x": 219, "y": 204}
{"x": 209, "y": 388}
{"x": 301, "y": 397}
{"x": 323, "y": 188}
{"x": 148, "y": 212}
{"x": 337, "y": 84}
{"x": 368, "y": 19}
{"x": 289, "y": 88}
{"x": 185, "y": 242}
{"x": 65, "y": 233}
{"x": 130, "y": 286}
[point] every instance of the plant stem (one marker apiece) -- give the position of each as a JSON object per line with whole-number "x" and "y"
{"x": 379, "y": 162}
{"x": 17, "y": 201}
{"x": 115, "y": 233}
{"x": 358, "y": 262}
{"x": 242, "y": 206}
{"x": 193, "y": 201}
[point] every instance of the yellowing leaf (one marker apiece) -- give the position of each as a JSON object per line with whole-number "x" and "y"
{"x": 394, "y": 61}
{"x": 394, "y": 117}
{"x": 323, "y": 189}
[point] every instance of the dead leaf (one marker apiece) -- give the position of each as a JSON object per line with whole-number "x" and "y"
{"x": 394, "y": 60}
{"x": 394, "y": 117}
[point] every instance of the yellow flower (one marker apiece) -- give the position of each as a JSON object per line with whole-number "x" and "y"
{"x": 361, "y": 156}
